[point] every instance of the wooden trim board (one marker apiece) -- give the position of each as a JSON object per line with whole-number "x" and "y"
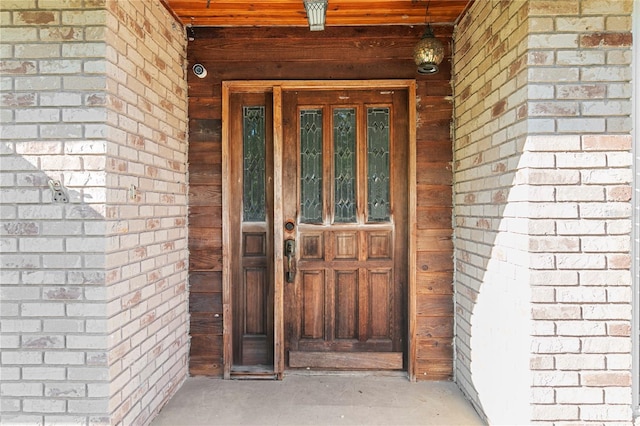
{"x": 346, "y": 360}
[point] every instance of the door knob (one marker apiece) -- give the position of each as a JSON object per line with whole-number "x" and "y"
{"x": 290, "y": 251}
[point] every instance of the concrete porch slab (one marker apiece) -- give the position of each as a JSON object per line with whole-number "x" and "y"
{"x": 317, "y": 400}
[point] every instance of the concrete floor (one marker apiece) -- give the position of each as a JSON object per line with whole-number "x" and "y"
{"x": 317, "y": 400}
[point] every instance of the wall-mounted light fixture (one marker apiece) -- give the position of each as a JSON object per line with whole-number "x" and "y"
{"x": 316, "y": 13}
{"x": 429, "y": 52}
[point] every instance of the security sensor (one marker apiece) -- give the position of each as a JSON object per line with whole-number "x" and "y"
{"x": 199, "y": 70}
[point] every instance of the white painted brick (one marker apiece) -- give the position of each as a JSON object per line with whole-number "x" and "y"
{"x": 19, "y": 293}
{"x": 580, "y": 24}
{"x": 9, "y": 309}
{"x": 38, "y": 83}
{"x": 604, "y": 345}
{"x": 60, "y": 66}
{"x": 555, "y": 412}
{"x": 20, "y": 325}
{"x": 37, "y": 115}
{"x": 9, "y": 342}
{"x": 42, "y": 277}
{"x": 586, "y": 193}
{"x": 8, "y": 405}
{"x": 65, "y": 390}
{"x": 98, "y": 390}
{"x": 580, "y": 261}
{"x": 607, "y": 312}
{"x": 619, "y": 361}
{"x": 581, "y": 227}
{"x": 21, "y": 389}
{"x": 59, "y": 261}
{"x": 543, "y": 328}
{"x": 60, "y": 99}
{"x": 586, "y": 58}
{"x": 606, "y": 176}
{"x": 581, "y": 328}
{"x": 579, "y": 362}
{"x": 620, "y": 395}
{"x": 584, "y": 125}
{"x": 606, "y": 244}
{"x": 556, "y": 312}
{"x": 60, "y": 420}
{"x": 543, "y": 395}
{"x": 577, "y": 395}
{"x": 41, "y": 244}
{"x": 581, "y": 294}
{"x": 607, "y": 412}
{"x": 63, "y": 325}
{"x": 605, "y": 73}
{"x": 64, "y": 358}
{"x": 43, "y": 373}
{"x": 555, "y": 345}
{"x": 43, "y": 309}
{"x": 88, "y": 406}
{"x": 87, "y": 374}
{"x": 47, "y": 341}
{"x": 89, "y": 309}
{"x": 44, "y": 406}
{"x": 86, "y": 342}
{"x": 617, "y": 227}
{"x": 61, "y": 131}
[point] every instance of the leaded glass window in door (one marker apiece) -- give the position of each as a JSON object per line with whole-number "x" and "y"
{"x": 344, "y": 149}
{"x": 378, "y": 172}
{"x": 254, "y": 186}
{"x": 311, "y": 202}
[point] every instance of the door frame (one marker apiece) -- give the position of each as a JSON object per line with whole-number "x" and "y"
{"x": 276, "y": 87}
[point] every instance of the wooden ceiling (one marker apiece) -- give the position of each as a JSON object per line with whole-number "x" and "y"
{"x": 291, "y": 13}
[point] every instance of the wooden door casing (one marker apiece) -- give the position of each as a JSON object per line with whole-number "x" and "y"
{"x": 347, "y": 306}
{"x": 231, "y": 171}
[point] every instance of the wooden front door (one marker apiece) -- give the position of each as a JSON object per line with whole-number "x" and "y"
{"x": 345, "y": 228}
{"x": 315, "y": 227}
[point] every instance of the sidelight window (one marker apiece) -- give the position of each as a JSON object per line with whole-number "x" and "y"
{"x": 254, "y": 186}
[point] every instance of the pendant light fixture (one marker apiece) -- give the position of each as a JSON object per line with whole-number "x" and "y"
{"x": 429, "y": 52}
{"x": 316, "y": 12}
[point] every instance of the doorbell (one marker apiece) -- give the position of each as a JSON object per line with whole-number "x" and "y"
{"x": 199, "y": 70}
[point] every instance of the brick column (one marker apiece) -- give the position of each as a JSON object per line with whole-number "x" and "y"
{"x": 93, "y": 313}
{"x": 543, "y": 208}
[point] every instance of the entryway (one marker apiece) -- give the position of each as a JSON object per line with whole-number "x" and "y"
{"x": 317, "y": 400}
{"x": 316, "y": 177}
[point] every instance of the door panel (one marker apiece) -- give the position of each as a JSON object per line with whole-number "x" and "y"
{"x": 345, "y": 189}
{"x": 251, "y": 242}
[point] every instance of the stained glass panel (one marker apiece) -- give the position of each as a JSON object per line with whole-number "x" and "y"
{"x": 344, "y": 140}
{"x": 311, "y": 166}
{"x": 378, "y": 173}
{"x": 254, "y": 187}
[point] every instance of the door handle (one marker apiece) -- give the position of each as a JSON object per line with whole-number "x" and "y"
{"x": 290, "y": 252}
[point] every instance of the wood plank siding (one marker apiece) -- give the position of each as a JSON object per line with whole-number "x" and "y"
{"x": 345, "y": 53}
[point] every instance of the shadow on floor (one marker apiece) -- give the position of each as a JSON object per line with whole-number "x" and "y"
{"x": 317, "y": 400}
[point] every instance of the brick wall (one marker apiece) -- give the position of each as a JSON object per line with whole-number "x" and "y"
{"x": 579, "y": 121}
{"x": 492, "y": 347}
{"x": 146, "y": 251}
{"x": 564, "y": 210}
{"x": 93, "y": 308}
